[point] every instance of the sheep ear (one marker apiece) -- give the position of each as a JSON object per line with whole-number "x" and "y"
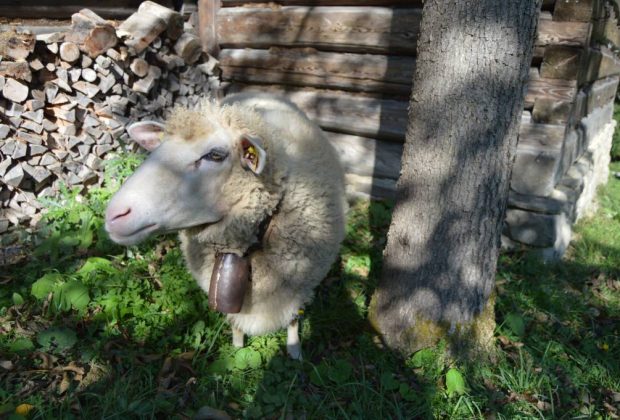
{"x": 147, "y": 134}
{"x": 253, "y": 156}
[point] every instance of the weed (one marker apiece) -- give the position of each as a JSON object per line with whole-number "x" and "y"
{"x": 93, "y": 329}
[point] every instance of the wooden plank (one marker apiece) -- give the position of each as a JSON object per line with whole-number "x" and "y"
{"x": 556, "y": 89}
{"x": 387, "y": 3}
{"x": 551, "y": 111}
{"x": 59, "y": 9}
{"x": 345, "y": 112}
{"x": 309, "y": 67}
{"x": 576, "y": 34}
{"x": 577, "y": 10}
{"x": 367, "y": 157}
{"x": 207, "y": 24}
{"x": 561, "y": 62}
{"x": 350, "y": 29}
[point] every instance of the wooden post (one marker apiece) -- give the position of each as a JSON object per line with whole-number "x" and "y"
{"x": 207, "y": 25}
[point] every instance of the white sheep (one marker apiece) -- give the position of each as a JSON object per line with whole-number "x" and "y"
{"x": 252, "y": 176}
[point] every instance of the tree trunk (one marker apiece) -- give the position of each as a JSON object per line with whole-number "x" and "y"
{"x": 443, "y": 243}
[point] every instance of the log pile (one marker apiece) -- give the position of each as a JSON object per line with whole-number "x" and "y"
{"x": 350, "y": 68}
{"x": 66, "y": 98}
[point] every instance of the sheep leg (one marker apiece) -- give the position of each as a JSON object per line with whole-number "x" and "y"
{"x": 238, "y": 337}
{"x": 293, "y": 346}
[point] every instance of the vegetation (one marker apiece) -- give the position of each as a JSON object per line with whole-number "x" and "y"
{"x": 91, "y": 329}
{"x": 615, "y": 145}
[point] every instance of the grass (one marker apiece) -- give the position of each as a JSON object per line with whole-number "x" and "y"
{"x": 91, "y": 329}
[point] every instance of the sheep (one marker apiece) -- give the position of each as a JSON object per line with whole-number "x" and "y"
{"x": 253, "y": 177}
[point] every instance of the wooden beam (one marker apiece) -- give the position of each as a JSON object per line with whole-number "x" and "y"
{"x": 58, "y": 9}
{"x": 561, "y": 62}
{"x": 387, "y": 3}
{"x": 556, "y": 89}
{"x": 309, "y": 67}
{"x": 367, "y": 157}
{"x": 576, "y": 34}
{"x": 602, "y": 62}
{"x": 344, "y": 112}
{"x": 601, "y": 93}
{"x": 207, "y": 24}
{"x": 577, "y": 10}
{"x": 350, "y": 29}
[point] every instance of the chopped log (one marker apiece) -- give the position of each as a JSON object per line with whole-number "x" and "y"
{"x": 173, "y": 20}
{"x": 86, "y": 61}
{"x": 17, "y": 46}
{"x": 36, "y": 116}
{"x": 19, "y": 70}
{"x": 351, "y": 29}
{"x": 308, "y": 67}
{"x": 91, "y": 33}
{"x": 141, "y": 28}
{"x": 576, "y": 34}
{"x": 36, "y": 64}
{"x": 188, "y": 47}
{"x": 4, "y": 131}
{"x": 561, "y": 62}
{"x": 356, "y": 114}
{"x": 89, "y": 75}
{"x": 86, "y": 88}
{"x": 52, "y": 47}
{"x": 51, "y": 37}
{"x": 15, "y": 91}
{"x": 14, "y": 176}
{"x": 139, "y": 67}
{"x": 69, "y": 52}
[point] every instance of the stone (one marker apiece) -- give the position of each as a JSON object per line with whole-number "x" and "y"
{"x": 538, "y": 230}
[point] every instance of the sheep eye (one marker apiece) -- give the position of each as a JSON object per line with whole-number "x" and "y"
{"x": 215, "y": 155}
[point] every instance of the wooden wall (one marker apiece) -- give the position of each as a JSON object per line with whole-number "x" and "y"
{"x": 63, "y": 9}
{"x": 350, "y": 68}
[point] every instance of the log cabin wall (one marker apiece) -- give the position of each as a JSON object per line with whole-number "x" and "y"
{"x": 350, "y": 67}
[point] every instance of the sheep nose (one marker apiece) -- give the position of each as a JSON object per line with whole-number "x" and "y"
{"x": 116, "y": 214}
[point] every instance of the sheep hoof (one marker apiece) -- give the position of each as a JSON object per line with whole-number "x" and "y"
{"x": 293, "y": 345}
{"x": 238, "y": 337}
{"x": 294, "y": 351}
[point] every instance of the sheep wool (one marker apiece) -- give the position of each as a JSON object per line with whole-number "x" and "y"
{"x": 300, "y": 193}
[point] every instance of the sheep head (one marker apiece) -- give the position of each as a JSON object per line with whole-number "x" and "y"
{"x": 181, "y": 183}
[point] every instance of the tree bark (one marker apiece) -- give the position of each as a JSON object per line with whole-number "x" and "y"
{"x": 443, "y": 243}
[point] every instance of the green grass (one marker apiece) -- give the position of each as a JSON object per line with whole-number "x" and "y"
{"x": 91, "y": 329}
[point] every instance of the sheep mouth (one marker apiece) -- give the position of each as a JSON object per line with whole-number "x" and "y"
{"x": 134, "y": 236}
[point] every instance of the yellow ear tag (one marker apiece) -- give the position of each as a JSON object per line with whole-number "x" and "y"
{"x": 251, "y": 156}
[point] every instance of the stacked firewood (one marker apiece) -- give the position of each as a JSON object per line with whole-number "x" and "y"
{"x": 66, "y": 98}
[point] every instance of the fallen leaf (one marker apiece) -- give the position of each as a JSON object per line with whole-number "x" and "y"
{"x": 64, "y": 383}
{"x": 23, "y": 409}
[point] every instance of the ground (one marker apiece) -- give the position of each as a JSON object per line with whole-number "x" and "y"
{"x": 91, "y": 329}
